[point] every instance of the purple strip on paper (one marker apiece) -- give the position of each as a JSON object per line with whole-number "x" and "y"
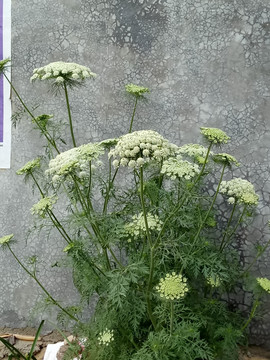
{"x": 1, "y": 76}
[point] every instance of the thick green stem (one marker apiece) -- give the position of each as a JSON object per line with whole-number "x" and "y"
{"x": 252, "y": 314}
{"x": 133, "y": 115}
{"x": 69, "y": 115}
{"x": 55, "y": 302}
{"x": 45, "y": 133}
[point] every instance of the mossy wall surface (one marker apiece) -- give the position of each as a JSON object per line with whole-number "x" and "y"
{"x": 206, "y": 62}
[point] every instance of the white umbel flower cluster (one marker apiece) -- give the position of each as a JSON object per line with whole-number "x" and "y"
{"x": 106, "y": 337}
{"x": 215, "y": 135}
{"x": 45, "y": 204}
{"x": 75, "y": 159}
{"x": 139, "y": 147}
{"x": 264, "y": 283}
{"x": 195, "y": 151}
{"x": 239, "y": 190}
{"x": 178, "y": 168}
{"x": 172, "y": 287}
{"x": 61, "y": 71}
{"x": 137, "y": 225}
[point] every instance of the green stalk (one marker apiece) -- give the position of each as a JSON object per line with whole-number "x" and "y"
{"x": 29, "y": 356}
{"x": 151, "y": 272}
{"x": 257, "y": 257}
{"x": 252, "y": 314}
{"x": 128, "y": 338}
{"x": 210, "y": 208}
{"x": 149, "y": 287}
{"x": 184, "y": 199}
{"x": 89, "y": 185}
{"x": 37, "y": 184}
{"x": 58, "y": 226}
{"x": 53, "y": 218}
{"x": 94, "y": 226}
{"x": 55, "y": 302}
{"x": 228, "y": 225}
{"x": 115, "y": 258}
{"x": 77, "y": 210}
{"x": 69, "y": 115}
{"x": 45, "y": 133}
{"x": 133, "y": 115}
{"x": 143, "y": 208}
{"x": 171, "y": 317}
{"x": 143, "y": 247}
{"x": 167, "y": 220}
{"x": 204, "y": 164}
{"x": 235, "y": 228}
{"x": 110, "y": 185}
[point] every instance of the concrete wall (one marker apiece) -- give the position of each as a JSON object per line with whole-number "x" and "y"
{"x": 206, "y": 63}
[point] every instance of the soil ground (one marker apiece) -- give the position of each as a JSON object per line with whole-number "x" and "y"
{"x": 253, "y": 353}
{"x": 51, "y": 337}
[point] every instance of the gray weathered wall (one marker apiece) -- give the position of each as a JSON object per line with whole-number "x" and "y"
{"x": 206, "y": 63}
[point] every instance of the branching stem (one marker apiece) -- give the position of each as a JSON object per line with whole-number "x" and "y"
{"x": 45, "y": 133}
{"x": 55, "y": 302}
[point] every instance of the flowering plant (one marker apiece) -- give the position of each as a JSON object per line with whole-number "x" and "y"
{"x": 151, "y": 249}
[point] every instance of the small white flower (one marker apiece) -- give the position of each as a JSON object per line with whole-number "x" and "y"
{"x": 132, "y": 163}
{"x": 115, "y": 163}
{"x": 241, "y": 190}
{"x": 140, "y": 161}
{"x": 106, "y": 337}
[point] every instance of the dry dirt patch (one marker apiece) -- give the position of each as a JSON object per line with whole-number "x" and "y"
{"x": 25, "y": 346}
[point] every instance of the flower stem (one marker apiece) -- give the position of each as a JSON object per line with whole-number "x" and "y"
{"x": 45, "y": 133}
{"x": 110, "y": 185}
{"x": 235, "y": 228}
{"x": 52, "y": 216}
{"x": 55, "y": 302}
{"x": 69, "y": 115}
{"x": 204, "y": 164}
{"x": 257, "y": 257}
{"x": 227, "y": 227}
{"x": 252, "y": 313}
{"x": 149, "y": 288}
{"x": 143, "y": 208}
{"x": 133, "y": 115}
{"x": 210, "y": 208}
{"x": 171, "y": 317}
